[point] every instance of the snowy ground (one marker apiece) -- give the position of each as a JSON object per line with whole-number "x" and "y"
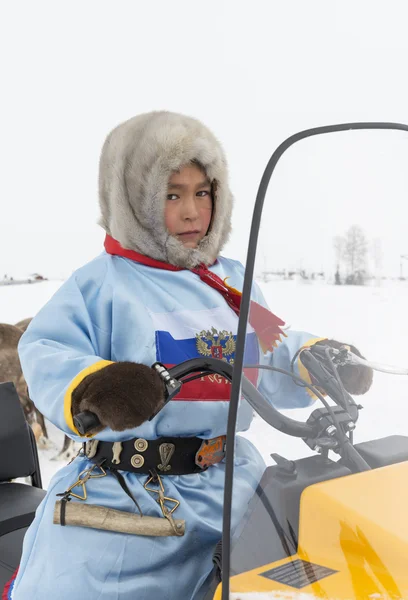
{"x": 372, "y": 318}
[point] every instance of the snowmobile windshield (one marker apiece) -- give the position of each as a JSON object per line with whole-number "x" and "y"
{"x": 326, "y": 288}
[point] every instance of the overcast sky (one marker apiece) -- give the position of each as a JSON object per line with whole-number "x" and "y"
{"x": 254, "y": 72}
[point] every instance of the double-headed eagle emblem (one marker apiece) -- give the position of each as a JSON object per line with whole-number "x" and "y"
{"x": 217, "y": 344}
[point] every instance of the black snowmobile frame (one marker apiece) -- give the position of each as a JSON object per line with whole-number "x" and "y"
{"x": 328, "y": 428}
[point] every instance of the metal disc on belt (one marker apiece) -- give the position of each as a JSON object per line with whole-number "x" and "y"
{"x": 137, "y": 461}
{"x": 141, "y": 445}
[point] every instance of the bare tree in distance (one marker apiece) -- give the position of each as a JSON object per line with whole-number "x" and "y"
{"x": 338, "y": 245}
{"x": 355, "y": 254}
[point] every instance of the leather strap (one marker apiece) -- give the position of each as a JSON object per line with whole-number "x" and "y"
{"x": 166, "y": 456}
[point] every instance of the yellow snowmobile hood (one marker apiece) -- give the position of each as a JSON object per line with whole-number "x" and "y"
{"x": 353, "y": 543}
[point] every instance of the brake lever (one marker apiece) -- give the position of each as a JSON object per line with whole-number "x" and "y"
{"x": 339, "y": 357}
{"x": 171, "y": 386}
{"x": 315, "y": 360}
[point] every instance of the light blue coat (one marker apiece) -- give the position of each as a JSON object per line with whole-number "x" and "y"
{"x": 118, "y": 310}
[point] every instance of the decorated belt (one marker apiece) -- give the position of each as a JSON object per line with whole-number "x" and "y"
{"x": 165, "y": 456}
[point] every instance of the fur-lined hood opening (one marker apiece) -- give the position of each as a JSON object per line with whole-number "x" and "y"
{"x": 137, "y": 160}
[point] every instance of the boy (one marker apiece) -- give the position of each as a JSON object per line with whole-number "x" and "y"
{"x": 166, "y": 209}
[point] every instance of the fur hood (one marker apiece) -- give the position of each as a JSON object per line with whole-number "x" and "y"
{"x": 137, "y": 160}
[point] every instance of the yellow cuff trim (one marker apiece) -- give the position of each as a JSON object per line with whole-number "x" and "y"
{"x": 303, "y": 372}
{"x": 74, "y": 384}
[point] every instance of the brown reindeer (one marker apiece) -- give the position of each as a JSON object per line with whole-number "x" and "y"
{"x": 10, "y": 370}
{"x": 33, "y": 415}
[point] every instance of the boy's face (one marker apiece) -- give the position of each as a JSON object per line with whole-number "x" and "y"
{"x": 188, "y": 207}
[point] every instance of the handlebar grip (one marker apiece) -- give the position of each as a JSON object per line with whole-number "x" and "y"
{"x": 86, "y": 421}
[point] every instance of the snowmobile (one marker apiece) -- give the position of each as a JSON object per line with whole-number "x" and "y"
{"x": 330, "y": 525}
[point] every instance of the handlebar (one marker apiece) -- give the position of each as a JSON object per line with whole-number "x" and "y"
{"x": 86, "y": 421}
{"x": 314, "y": 361}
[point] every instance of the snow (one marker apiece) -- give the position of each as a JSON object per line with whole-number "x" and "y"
{"x": 373, "y": 318}
{"x": 23, "y": 301}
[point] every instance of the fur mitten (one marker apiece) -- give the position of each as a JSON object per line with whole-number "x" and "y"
{"x": 357, "y": 379}
{"x": 123, "y": 395}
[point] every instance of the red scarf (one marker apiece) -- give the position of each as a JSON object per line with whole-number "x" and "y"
{"x": 265, "y": 324}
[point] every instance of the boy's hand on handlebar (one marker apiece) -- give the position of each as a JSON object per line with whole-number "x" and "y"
{"x": 357, "y": 379}
{"x": 123, "y": 395}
